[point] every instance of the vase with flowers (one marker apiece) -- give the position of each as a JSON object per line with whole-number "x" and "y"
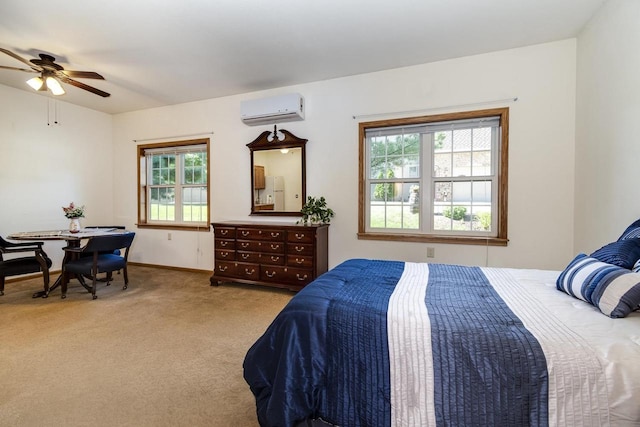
{"x": 74, "y": 213}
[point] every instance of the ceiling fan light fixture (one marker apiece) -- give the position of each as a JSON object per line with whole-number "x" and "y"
{"x": 52, "y": 75}
{"x": 54, "y": 86}
{"x": 36, "y": 83}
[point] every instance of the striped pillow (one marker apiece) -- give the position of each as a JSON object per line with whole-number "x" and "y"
{"x": 636, "y": 267}
{"x": 614, "y": 290}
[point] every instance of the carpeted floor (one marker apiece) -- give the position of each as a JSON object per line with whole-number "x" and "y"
{"x": 168, "y": 351}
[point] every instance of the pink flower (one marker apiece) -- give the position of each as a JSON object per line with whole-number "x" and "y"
{"x": 72, "y": 211}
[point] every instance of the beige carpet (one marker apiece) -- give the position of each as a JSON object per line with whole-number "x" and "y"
{"x": 168, "y": 351}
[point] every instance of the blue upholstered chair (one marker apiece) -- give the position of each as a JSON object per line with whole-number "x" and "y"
{"x": 107, "y": 278}
{"x": 38, "y": 261}
{"x": 96, "y": 257}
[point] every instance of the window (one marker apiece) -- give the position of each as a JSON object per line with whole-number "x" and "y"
{"x": 439, "y": 178}
{"x": 173, "y": 186}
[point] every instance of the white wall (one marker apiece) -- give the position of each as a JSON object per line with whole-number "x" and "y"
{"x": 44, "y": 167}
{"x": 608, "y": 125}
{"x": 541, "y": 168}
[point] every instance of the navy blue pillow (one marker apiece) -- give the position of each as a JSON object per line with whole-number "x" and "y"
{"x": 623, "y": 253}
{"x": 632, "y": 231}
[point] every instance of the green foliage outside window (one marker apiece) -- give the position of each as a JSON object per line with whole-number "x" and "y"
{"x": 384, "y": 191}
{"x": 195, "y": 171}
{"x": 390, "y": 154}
{"x": 484, "y": 218}
{"x": 458, "y": 212}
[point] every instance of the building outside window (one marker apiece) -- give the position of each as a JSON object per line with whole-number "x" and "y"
{"x": 173, "y": 190}
{"x": 436, "y": 178}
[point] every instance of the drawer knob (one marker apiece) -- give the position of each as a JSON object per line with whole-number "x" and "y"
{"x": 246, "y": 270}
{"x": 224, "y": 254}
{"x": 245, "y": 256}
{"x": 301, "y": 278}
{"x": 275, "y": 258}
{"x": 224, "y": 243}
{"x": 269, "y": 274}
{"x": 222, "y": 268}
{"x": 275, "y": 234}
{"x": 299, "y": 248}
{"x": 274, "y": 247}
{"x": 224, "y": 232}
{"x": 299, "y": 236}
{"x": 244, "y": 245}
{"x": 299, "y": 260}
{"x": 245, "y": 233}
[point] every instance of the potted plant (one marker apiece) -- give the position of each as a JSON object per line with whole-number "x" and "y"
{"x": 315, "y": 211}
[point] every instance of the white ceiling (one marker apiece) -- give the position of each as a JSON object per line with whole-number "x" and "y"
{"x": 161, "y": 52}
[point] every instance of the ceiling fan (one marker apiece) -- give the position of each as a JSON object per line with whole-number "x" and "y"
{"x": 51, "y": 74}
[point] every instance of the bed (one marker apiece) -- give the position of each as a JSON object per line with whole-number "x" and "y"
{"x": 391, "y": 343}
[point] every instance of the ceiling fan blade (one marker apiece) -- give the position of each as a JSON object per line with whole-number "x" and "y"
{"x": 18, "y": 69}
{"x": 76, "y": 83}
{"x": 82, "y": 74}
{"x": 21, "y": 59}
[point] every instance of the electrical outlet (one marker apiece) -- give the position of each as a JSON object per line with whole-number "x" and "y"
{"x": 168, "y": 236}
{"x": 431, "y": 252}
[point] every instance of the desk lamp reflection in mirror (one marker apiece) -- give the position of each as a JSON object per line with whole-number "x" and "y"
{"x": 278, "y": 181}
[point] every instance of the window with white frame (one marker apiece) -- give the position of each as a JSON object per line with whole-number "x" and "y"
{"x": 436, "y": 178}
{"x": 173, "y": 190}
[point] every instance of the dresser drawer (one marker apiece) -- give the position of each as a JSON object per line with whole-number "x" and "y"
{"x": 225, "y": 268}
{"x": 248, "y": 256}
{"x": 225, "y": 244}
{"x": 249, "y": 245}
{"x": 272, "y": 259}
{"x": 224, "y": 232}
{"x": 299, "y": 249}
{"x": 272, "y": 247}
{"x": 300, "y": 236}
{"x": 304, "y": 261}
{"x": 299, "y": 276}
{"x": 249, "y": 271}
{"x": 289, "y": 275}
{"x": 260, "y": 234}
{"x": 257, "y": 246}
{"x": 273, "y": 273}
{"x": 225, "y": 255}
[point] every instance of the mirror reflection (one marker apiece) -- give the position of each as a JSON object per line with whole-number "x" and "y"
{"x": 277, "y": 180}
{"x": 278, "y": 173}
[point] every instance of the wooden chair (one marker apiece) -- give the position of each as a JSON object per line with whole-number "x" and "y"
{"x": 35, "y": 263}
{"x": 102, "y": 259}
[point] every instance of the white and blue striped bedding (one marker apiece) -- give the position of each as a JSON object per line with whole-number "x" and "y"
{"x": 387, "y": 343}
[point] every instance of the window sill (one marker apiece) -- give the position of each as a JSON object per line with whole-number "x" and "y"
{"x": 206, "y": 228}
{"x": 430, "y": 238}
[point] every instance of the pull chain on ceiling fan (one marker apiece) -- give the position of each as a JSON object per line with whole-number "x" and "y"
{"x": 52, "y": 74}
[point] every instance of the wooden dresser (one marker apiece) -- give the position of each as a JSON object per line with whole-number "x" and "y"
{"x": 269, "y": 253}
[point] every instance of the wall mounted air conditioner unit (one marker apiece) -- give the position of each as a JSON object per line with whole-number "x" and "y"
{"x": 276, "y": 109}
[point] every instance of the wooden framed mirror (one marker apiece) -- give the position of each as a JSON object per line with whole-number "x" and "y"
{"x": 278, "y": 173}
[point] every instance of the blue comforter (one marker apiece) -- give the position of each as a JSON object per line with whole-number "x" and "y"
{"x": 327, "y": 354}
